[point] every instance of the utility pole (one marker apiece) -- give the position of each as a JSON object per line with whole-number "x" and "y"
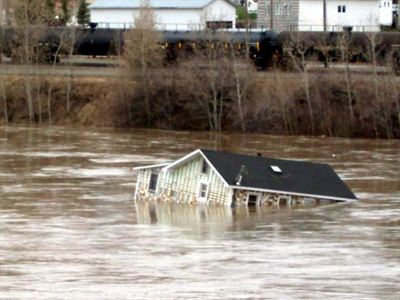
{"x": 326, "y": 63}
{"x": 1, "y": 12}
{"x": 246, "y": 15}
{"x": 325, "y": 16}
{"x": 271, "y": 13}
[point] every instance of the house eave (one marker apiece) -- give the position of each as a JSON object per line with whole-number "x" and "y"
{"x": 151, "y": 166}
{"x": 94, "y": 6}
{"x": 293, "y": 194}
{"x": 188, "y": 157}
{"x": 182, "y": 160}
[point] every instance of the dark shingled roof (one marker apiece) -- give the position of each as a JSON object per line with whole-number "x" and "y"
{"x": 296, "y": 177}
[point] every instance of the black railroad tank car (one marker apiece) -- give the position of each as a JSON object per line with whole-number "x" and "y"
{"x": 99, "y": 42}
{"x": 105, "y": 42}
{"x": 261, "y": 44}
{"x": 359, "y": 44}
{"x": 265, "y": 47}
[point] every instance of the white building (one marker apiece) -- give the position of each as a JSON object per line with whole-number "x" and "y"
{"x": 170, "y": 14}
{"x": 307, "y": 15}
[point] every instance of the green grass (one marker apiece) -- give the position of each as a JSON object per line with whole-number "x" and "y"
{"x": 241, "y": 13}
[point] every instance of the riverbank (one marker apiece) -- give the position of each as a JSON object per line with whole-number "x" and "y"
{"x": 276, "y": 103}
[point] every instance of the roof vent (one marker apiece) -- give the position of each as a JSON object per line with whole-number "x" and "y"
{"x": 242, "y": 172}
{"x": 276, "y": 169}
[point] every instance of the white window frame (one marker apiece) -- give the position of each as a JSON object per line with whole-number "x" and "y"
{"x": 158, "y": 177}
{"x": 278, "y": 9}
{"x": 203, "y": 199}
{"x": 253, "y": 194}
{"x": 206, "y": 166}
{"x": 288, "y": 200}
{"x": 284, "y": 9}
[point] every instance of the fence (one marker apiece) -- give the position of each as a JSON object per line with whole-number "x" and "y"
{"x": 161, "y": 26}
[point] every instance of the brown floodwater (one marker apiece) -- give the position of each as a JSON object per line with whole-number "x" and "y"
{"x": 70, "y": 229}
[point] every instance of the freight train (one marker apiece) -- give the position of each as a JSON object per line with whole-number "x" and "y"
{"x": 266, "y": 48}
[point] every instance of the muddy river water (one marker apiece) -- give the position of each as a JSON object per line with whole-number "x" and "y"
{"x": 69, "y": 228}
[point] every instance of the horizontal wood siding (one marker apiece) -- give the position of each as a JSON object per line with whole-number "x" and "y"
{"x": 182, "y": 184}
{"x": 283, "y": 21}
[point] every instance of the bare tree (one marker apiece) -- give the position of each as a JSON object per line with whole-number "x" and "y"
{"x": 211, "y": 69}
{"x": 142, "y": 55}
{"x": 344, "y": 46}
{"x": 243, "y": 76}
{"x": 67, "y": 47}
{"x": 206, "y": 75}
{"x": 392, "y": 62}
{"x": 55, "y": 57}
{"x": 30, "y": 16}
{"x": 296, "y": 52}
{"x": 5, "y": 101}
{"x": 283, "y": 95}
{"x": 373, "y": 43}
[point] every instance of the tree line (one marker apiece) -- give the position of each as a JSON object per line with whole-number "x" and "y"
{"x": 217, "y": 88}
{"x": 213, "y": 87}
{"x": 49, "y": 12}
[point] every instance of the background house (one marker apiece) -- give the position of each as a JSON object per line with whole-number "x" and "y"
{"x": 396, "y": 14}
{"x": 307, "y": 15}
{"x": 170, "y": 15}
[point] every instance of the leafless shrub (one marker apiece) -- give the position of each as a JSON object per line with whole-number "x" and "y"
{"x": 296, "y": 52}
{"x": 142, "y": 56}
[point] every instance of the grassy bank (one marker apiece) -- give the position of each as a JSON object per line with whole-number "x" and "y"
{"x": 275, "y": 102}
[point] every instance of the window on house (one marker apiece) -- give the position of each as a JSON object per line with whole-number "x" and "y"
{"x": 289, "y": 8}
{"x": 284, "y": 9}
{"x": 267, "y": 9}
{"x": 204, "y": 167}
{"x": 153, "y": 182}
{"x": 341, "y": 8}
{"x": 344, "y": 8}
{"x": 203, "y": 190}
{"x": 278, "y": 9}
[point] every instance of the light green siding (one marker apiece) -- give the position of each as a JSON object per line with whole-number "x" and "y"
{"x": 182, "y": 184}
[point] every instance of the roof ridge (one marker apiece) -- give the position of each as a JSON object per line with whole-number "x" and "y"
{"x": 266, "y": 157}
{"x": 102, "y": 4}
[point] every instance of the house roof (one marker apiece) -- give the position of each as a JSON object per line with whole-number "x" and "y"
{"x": 296, "y": 177}
{"x": 135, "y": 4}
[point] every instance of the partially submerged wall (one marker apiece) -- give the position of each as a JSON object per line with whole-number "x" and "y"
{"x": 241, "y": 198}
{"x": 182, "y": 185}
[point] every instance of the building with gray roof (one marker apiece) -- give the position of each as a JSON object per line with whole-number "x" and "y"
{"x": 169, "y": 14}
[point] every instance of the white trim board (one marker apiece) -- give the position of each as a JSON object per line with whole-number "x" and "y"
{"x": 187, "y": 158}
{"x": 151, "y": 166}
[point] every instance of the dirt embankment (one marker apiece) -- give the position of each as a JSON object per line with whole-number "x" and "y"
{"x": 279, "y": 103}
{"x": 91, "y": 101}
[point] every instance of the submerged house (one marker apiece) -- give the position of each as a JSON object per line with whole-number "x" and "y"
{"x": 213, "y": 177}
